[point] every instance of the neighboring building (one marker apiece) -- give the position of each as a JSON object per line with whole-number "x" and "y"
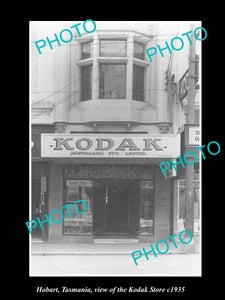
{"x": 107, "y": 122}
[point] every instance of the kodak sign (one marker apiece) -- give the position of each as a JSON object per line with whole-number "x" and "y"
{"x": 116, "y": 145}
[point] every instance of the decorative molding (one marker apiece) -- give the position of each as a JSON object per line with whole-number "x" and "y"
{"x": 128, "y": 125}
{"x": 60, "y": 127}
{"x": 94, "y": 125}
{"x": 164, "y": 127}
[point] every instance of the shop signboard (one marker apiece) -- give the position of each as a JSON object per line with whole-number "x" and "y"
{"x": 113, "y": 146}
{"x": 194, "y": 135}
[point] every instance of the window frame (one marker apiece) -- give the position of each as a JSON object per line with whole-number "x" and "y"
{"x": 142, "y": 81}
{"x": 82, "y": 53}
{"x": 82, "y": 85}
{"x": 113, "y": 40}
{"x": 125, "y": 84}
{"x": 143, "y": 53}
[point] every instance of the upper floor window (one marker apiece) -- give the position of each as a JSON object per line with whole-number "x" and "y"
{"x": 86, "y": 50}
{"x": 112, "y": 81}
{"x": 138, "y": 83}
{"x": 112, "y": 48}
{"x": 139, "y": 50}
{"x": 86, "y": 83}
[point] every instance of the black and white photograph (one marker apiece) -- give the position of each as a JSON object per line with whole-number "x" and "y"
{"x": 116, "y": 148}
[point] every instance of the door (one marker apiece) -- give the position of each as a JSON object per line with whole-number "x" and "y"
{"x": 117, "y": 213}
{"x": 99, "y": 207}
{"x": 133, "y": 193}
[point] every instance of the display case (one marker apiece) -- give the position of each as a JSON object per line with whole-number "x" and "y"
{"x": 78, "y": 190}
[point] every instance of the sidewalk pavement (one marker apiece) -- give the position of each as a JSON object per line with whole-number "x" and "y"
{"x": 109, "y": 259}
{"x": 43, "y": 248}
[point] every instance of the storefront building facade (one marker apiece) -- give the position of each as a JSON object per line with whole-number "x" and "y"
{"x": 126, "y": 195}
{"x": 102, "y": 142}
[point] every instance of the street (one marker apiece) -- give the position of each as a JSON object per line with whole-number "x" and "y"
{"x": 115, "y": 265}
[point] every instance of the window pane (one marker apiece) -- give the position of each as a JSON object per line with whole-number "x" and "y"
{"x": 86, "y": 50}
{"x": 138, "y": 83}
{"x": 112, "y": 81}
{"x": 112, "y": 48}
{"x": 139, "y": 50}
{"x": 75, "y": 223}
{"x": 86, "y": 83}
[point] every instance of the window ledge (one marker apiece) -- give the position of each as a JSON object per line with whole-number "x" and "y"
{"x": 85, "y": 62}
{"x": 140, "y": 62}
{"x": 112, "y": 59}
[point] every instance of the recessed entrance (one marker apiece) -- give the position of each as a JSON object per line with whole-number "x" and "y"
{"x": 120, "y": 201}
{"x": 116, "y": 208}
{"x": 112, "y": 206}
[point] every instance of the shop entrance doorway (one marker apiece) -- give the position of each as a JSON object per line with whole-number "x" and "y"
{"x": 117, "y": 208}
{"x": 113, "y": 207}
